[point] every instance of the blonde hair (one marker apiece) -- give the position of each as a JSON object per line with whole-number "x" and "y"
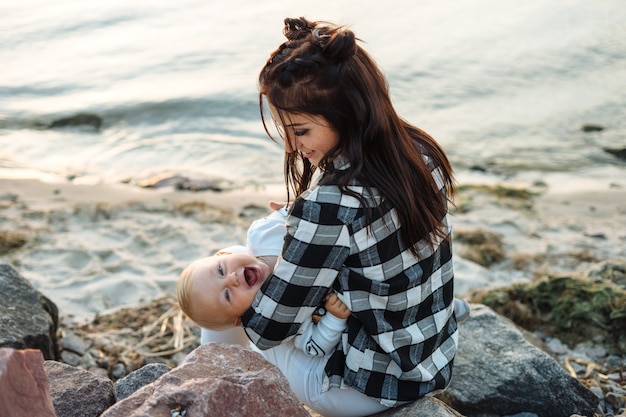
{"x": 199, "y": 313}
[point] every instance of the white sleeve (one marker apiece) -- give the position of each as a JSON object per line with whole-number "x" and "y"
{"x": 266, "y": 235}
{"x": 321, "y": 338}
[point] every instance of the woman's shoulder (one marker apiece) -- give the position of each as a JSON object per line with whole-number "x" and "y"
{"x": 354, "y": 195}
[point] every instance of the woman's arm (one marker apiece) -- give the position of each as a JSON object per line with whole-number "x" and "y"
{"x": 316, "y": 245}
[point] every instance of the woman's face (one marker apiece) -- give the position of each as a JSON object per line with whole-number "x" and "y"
{"x": 312, "y": 136}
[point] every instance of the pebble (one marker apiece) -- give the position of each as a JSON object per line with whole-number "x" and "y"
{"x": 556, "y": 346}
{"x": 73, "y": 343}
{"x": 616, "y": 401}
{"x": 70, "y": 358}
{"x": 118, "y": 371}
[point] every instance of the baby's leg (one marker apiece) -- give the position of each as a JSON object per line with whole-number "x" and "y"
{"x": 305, "y": 374}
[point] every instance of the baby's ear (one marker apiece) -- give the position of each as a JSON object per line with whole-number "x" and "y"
{"x": 237, "y": 322}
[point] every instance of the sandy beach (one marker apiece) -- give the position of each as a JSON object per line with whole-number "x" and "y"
{"x": 95, "y": 248}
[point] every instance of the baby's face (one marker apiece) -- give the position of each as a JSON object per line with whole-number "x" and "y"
{"x": 226, "y": 284}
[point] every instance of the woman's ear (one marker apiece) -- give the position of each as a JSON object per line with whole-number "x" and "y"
{"x": 222, "y": 253}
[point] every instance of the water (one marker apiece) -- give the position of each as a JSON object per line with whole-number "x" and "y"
{"x": 502, "y": 85}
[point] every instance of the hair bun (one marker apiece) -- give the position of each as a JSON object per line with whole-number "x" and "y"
{"x": 297, "y": 28}
{"x": 338, "y": 44}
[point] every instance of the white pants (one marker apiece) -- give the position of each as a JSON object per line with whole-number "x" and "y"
{"x": 305, "y": 375}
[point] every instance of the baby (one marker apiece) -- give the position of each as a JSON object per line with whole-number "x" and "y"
{"x": 215, "y": 291}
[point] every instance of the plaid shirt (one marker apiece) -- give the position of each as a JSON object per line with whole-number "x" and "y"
{"x": 401, "y": 338}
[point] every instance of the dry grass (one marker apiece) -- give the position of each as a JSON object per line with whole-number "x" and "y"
{"x": 132, "y": 336}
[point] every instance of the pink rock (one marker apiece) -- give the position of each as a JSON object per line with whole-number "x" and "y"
{"x": 24, "y": 384}
{"x": 215, "y": 380}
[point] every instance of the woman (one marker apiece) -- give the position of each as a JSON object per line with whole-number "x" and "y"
{"x": 374, "y": 227}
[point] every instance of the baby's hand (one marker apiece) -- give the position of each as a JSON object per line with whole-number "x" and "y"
{"x": 276, "y": 205}
{"x": 336, "y": 307}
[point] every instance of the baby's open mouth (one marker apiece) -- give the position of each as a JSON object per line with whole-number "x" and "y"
{"x": 252, "y": 275}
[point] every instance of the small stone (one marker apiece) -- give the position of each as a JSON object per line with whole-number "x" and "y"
{"x": 614, "y": 361}
{"x": 70, "y": 358}
{"x": 101, "y": 372}
{"x": 597, "y": 391}
{"x": 118, "y": 371}
{"x": 73, "y": 343}
{"x": 103, "y": 363}
{"x": 596, "y": 352}
{"x": 617, "y": 401}
{"x": 556, "y": 346}
{"x": 87, "y": 361}
{"x": 95, "y": 352}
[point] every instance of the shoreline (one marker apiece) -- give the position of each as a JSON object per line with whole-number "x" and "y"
{"x": 45, "y": 195}
{"x": 608, "y": 203}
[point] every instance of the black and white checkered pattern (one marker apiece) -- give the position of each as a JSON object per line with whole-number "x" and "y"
{"x": 402, "y": 336}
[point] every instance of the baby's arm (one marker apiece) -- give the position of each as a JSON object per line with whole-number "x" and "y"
{"x": 336, "y": 307}
{"x": 322, "y": 338}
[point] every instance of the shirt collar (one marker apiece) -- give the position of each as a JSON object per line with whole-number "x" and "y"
{"x": 341, "y": 163}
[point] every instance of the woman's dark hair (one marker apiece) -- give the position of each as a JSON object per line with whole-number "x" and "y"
{"x": 321, "y": 70}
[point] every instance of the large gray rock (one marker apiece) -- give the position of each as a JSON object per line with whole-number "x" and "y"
{"x": 24, "y": 384}
{"x": 215, "y": 380}
{"x": 497, "y": 371}
{"x": 28, "y": 319}
{"x": 78, "y": 393}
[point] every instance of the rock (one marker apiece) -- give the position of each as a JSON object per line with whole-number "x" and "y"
{"x": 79, "y": 119}
{"x": 198, "y": 185}
{"x": 215, "y": 380}
{"x": 497, "y": 372}
{"x": 10, "y": 240}
{"x": 590, "y": 127}
{"x": 426, "y": 406}
{"x": 73, "y": 343}
{"x": 515, "y": 376}
{"x": 180, "y": 183}
{"x": 480, "y": 245}
{"x": 163, "y": 180}
{"x": 78, "y": 393}
{"x": 143, "y": 376}
{"x": 24, "y": 384}
{"x": 613, "y": 270}
{"x": 618, "y": 152}
{"x": 28, "y": 319}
